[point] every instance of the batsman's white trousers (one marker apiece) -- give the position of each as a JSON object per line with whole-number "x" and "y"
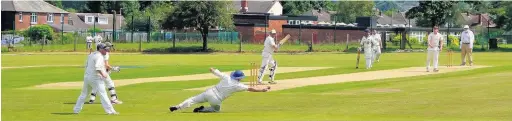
{"x": 433, "y": 53}
{"x": 376, "y": 54}
{"x": 368, "y": 55}
{"x": 267, "y": 60}
{"x": 108, "y": 83}
{"x": 96, "y": 84}
{"x": 207, "y": 96}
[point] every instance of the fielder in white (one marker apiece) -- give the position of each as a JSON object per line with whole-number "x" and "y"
{"x": 377, "y": 47}
{"x": 269, "y": 48}
{"x": 435, "y": 45}
{"x": 367, "y": 43}
{"x": 94, "y": 77}
{"x": 108, "y": 81}
{"x": 97, "y": 39}
{"x": 215, "y": 95}
{"x": 88, "y": 40}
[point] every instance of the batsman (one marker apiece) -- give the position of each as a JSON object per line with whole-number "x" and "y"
{"x": 368, "y": 45}
{"x": 108, "y": 81}
{"x": 269, "y": 48}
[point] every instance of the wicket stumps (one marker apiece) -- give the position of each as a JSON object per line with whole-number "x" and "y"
{"x": 253, "y": 81}
{"x": 450, "y": 58}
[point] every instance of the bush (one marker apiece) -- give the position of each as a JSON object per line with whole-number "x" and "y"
{"x": 37, "y": 32}
{"x": 68, "y": 38}
{"x": 92, "y": 30}
{"x": 454, "y": 41}
{"x": 396, "y": 39}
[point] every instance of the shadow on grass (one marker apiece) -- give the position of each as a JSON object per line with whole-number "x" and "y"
{"x": 63, "y": 113}
{"x": 72, "y": 103}
{"x": 188, "y": 49}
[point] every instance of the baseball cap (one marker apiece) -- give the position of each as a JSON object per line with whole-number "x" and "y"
{"x": 102, "y": 46}
{"x": 273, "y": 31}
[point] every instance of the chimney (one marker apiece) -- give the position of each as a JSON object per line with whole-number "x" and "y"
{"x": 243, "y": 6}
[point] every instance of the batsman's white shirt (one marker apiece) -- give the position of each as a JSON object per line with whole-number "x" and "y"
{"x": 94, "y": 63}
{"x": 269, "y": 44}
{"x": 106, "y": 56}
{"x": 227, "y": 86}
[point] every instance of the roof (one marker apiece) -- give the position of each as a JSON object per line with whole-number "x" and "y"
{"x": 255, "y": 6}
{"x": 398, "y": 18}
{"x": 107, "y": 26}
{"x": 324, "y": 16}
{"x": 472, "y": 20}
{"x": 30, "y": 6}
{"x": 59, "y": 27}
{"x": 77, "y": 22}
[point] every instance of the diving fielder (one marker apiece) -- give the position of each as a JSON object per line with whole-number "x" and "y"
{"x": 270, "y": 47}
{"x": 94, "y": 77}
{"x": 108, "y": 81}
{"x": 377, "y": 47}
{"x": 367, "y": 43}
{"x": 215, "y": 95}
{"x": 435, "y": 45}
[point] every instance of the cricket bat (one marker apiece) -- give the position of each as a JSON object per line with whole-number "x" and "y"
{"x": 358, "y": 57}
{"x": 284, "y": 39}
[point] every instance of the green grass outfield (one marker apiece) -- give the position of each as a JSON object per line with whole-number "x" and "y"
{"x": 481, "y": 94}
{"x": 221, "y": 47}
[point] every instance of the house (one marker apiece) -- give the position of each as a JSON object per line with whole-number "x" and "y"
{"x": 264, "y": 6}
{"x": 473, "y": 20}
{"x": 323, "y": 16}
{"x": 19, "y": 15}
{"x": 103, "y": 21}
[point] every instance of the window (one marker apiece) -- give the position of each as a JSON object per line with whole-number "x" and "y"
{"x": 89, "y": 19}
{"x": 61, "y": 18}
{"x": 290, "y": 22}
{"x": 102, "y": 20}
{"x": 20, "y": 16}
{"x": 297, "y": 22}
{"x": 49, "y": 17}
{"x": 33, "y": 18}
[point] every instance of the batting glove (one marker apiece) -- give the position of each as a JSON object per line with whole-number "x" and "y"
{"x": 116, "y": 69}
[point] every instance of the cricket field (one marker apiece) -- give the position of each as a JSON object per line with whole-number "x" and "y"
{"x": 479, "y": 93}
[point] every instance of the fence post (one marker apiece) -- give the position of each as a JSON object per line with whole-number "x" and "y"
{"x": 240, "y": 47}
{"x": 174, "y": 39}
{"x": 74, "y": 43}
{"x": 140, "y": 43}
{"x": 346, "y": 48}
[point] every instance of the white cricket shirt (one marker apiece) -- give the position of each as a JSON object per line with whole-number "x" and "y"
{"x": 227, "y": 86}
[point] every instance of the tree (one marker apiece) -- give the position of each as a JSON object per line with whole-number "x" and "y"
{"x": 71, "y": 10}
{"x": 201, "y": 15}
{"x": 348, "y": 11}
{"x": 79, "y": 6}
{"x": 56, "y": 3}
{"x": 38, "y": 32}
{"x": 430, "y": 13}
{"x": 299, "y": 7}
{"x": 502, "y": 14}
{"x": 158, "y": 12}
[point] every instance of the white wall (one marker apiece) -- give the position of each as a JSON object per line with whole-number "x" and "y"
{"x": 276, "y": 9}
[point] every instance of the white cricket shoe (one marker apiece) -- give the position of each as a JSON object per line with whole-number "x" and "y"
{"x": 116, "y": 102}
{"x": 113, "y": 113}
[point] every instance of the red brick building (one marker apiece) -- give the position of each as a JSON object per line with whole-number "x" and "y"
{"x": 21, "y": 15}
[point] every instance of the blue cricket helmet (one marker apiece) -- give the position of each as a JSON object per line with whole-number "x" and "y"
{"x": 237, "y": 74}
